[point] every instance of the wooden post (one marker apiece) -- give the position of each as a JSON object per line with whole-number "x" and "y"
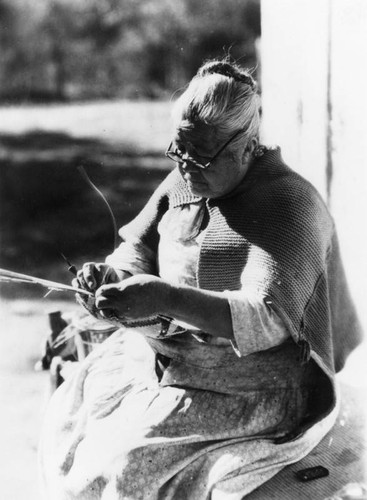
{"x": 314, "y": 87}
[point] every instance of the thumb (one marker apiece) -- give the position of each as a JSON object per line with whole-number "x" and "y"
{"x": 106, "y": 290}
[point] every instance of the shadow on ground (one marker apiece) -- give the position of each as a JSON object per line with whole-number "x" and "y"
{"x": 47, "y": 207}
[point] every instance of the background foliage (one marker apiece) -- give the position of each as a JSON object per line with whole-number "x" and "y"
{"x": 78, "y": 49}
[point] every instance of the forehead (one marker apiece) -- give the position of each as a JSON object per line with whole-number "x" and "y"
{"x": 201, "y": 136}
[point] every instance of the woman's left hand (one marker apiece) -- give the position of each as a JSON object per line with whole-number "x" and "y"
{"x": 140, "y": 296}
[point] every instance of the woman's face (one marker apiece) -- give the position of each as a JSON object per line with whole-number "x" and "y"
{"x": 224, "y": 173}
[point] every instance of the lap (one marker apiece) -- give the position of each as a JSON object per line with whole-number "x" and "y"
{"x": 115, "y": 428}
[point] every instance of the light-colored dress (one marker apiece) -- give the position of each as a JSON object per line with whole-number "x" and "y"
{"x": 205, "y": 429}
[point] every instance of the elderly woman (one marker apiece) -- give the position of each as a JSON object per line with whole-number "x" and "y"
{"x": 236, "y": 313}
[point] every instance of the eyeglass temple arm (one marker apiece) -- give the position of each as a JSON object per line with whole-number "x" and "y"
{"x": 226, "y": 143}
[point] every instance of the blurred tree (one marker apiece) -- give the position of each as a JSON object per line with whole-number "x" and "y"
{"x": 8, "y": 39}
{"x": 180, "y": 35}
{"x": 233, "y": 36}
{"x": 7, "y": 21}
{"x": 57, "y": 28}
{"x": 166, "y": 37}
{"x": 106, "y": 48}
{"x": 25, "y": 74}
{"x": 108, "y": 27}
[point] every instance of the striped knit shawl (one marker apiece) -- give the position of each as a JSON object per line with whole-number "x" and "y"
{"x": 273, "y": 235}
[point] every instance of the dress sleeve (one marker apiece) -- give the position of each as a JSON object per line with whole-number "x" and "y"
{"x": 256, "y": 327}
{"x": 137, "y": 253}
{"x": 132, "y": 256}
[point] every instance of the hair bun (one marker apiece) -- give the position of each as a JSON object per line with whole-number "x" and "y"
{"x": 227, "y": 69}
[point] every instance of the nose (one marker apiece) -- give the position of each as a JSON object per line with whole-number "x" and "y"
{"x": 190, "y": 172}
{"x": 189, "y": 166}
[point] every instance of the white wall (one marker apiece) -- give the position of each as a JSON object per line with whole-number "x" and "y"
{"x": 314, "y": 85}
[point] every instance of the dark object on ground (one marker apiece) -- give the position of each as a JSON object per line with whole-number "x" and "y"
{"x": 57, "y": 324}
{"x": 312, "y": 473}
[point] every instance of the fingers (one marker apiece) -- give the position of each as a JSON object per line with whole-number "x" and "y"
{"x": 75, "y": 283}
{"x": 106, "y": 306}
{"x": 103, "y": 302}
{"x": 87, "y": 276}
{"x": 92, "y": 275}
{"x": 109, "y": 290}
{"x": 108, "y": 297}
{"x": 81, "y": 298}
{"x": 103, "y": 274}
{"x": 108, "y": 300}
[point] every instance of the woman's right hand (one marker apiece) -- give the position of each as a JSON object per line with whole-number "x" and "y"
{"x": 93, "y": 275}
{"x": 90, "y": 277}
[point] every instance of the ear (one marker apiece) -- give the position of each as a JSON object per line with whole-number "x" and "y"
{"x": 250, "y": 148}
{"x": 252, "y": 145}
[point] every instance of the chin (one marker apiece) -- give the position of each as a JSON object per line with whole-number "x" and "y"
{"x": 204, "y": 191}
{"x": 199, "y": 190}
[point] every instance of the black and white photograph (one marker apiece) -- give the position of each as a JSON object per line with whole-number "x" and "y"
{"x": 183, "y": 194}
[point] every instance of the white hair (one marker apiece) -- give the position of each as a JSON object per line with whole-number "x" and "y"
{"x": 224, "y": 96}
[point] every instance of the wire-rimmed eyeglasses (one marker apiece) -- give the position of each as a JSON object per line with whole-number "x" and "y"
{"x": 178, "y": 156}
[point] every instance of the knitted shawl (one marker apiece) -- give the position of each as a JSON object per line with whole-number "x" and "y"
{"x": 273, "y": 234}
